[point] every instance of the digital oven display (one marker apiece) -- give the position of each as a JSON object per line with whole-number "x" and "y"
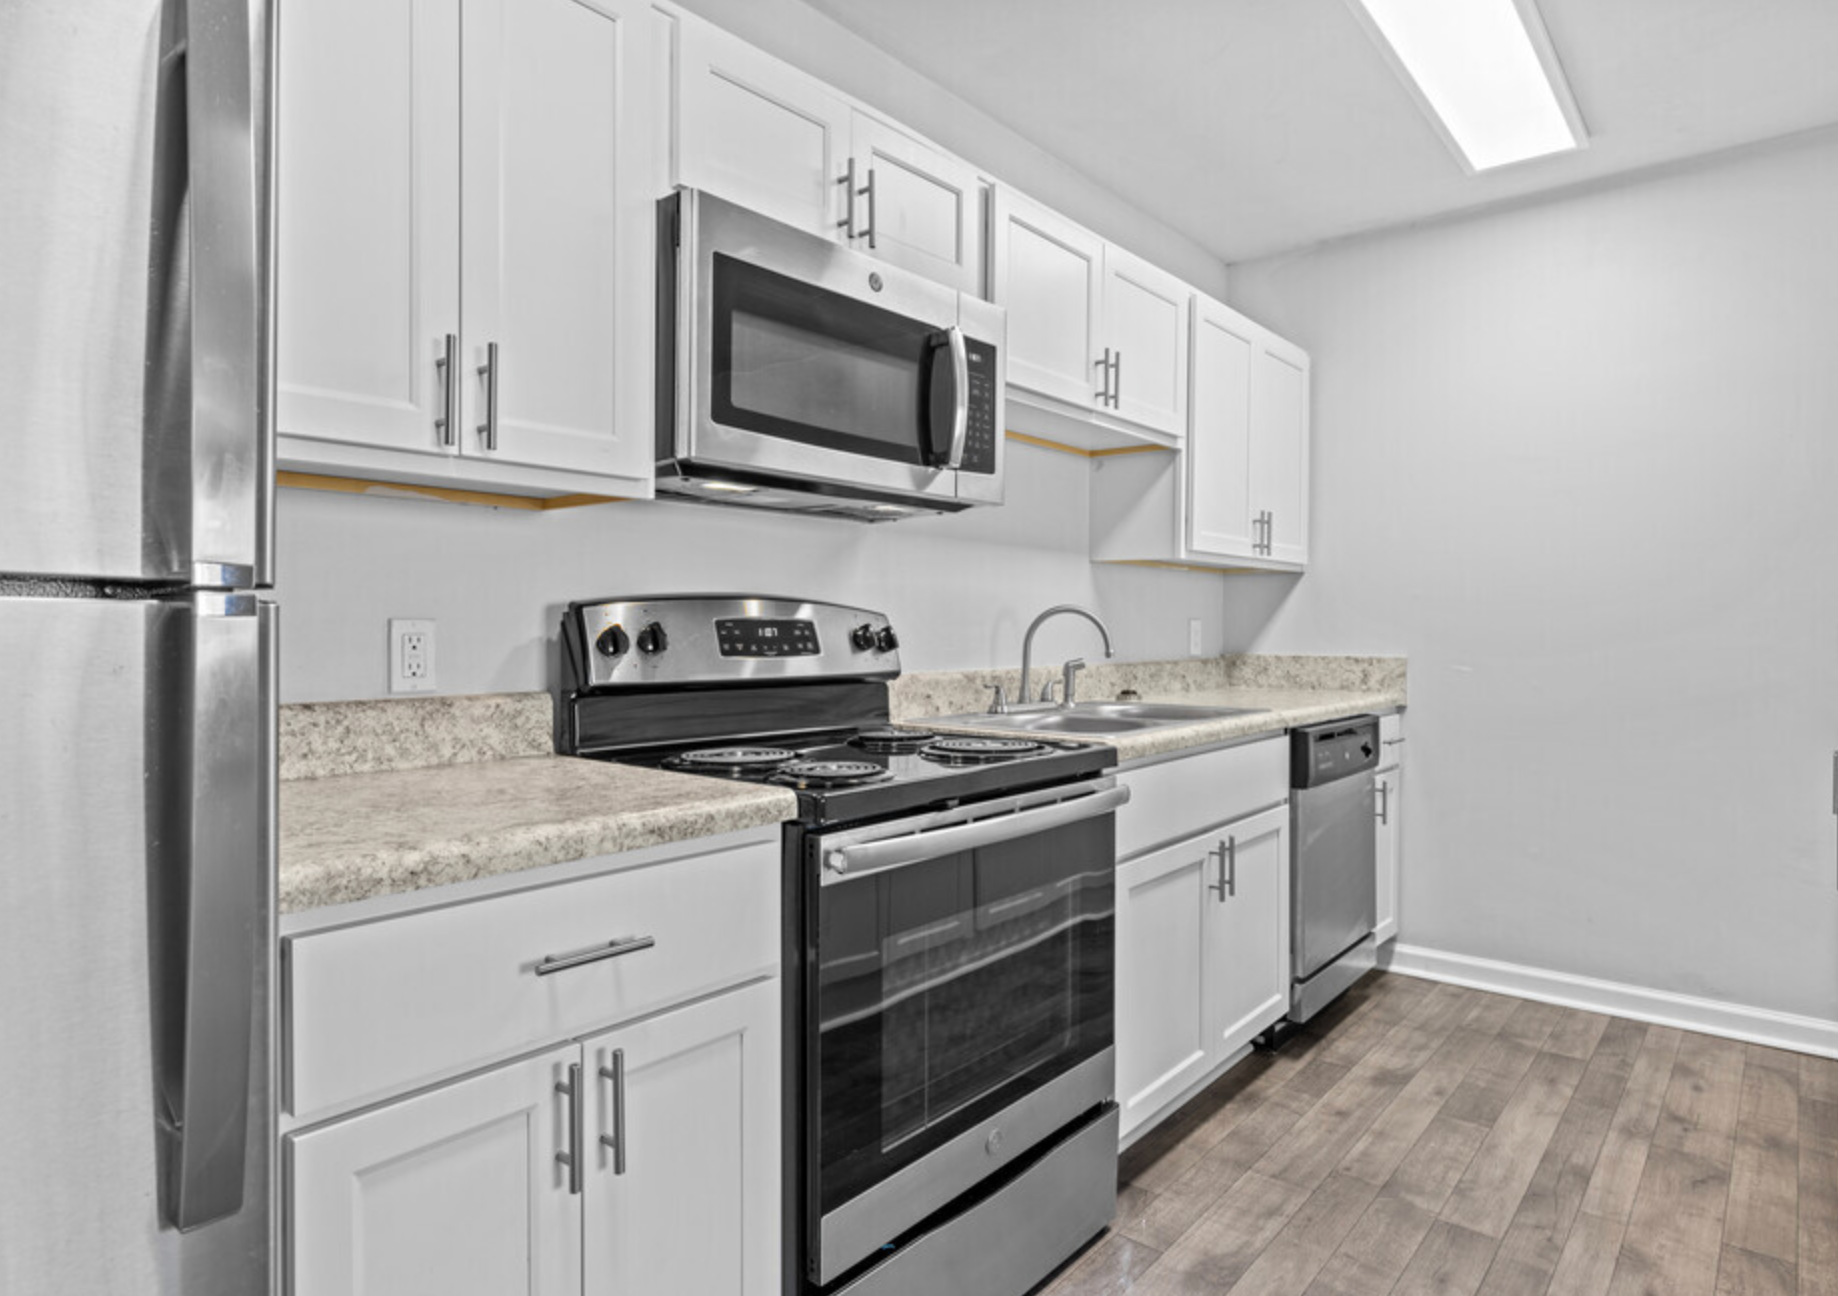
{"x": 759, "y": 637}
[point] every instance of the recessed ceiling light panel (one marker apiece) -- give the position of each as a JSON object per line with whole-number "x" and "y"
{"x": 1485, "y": 72}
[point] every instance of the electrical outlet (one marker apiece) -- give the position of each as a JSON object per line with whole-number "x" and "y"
{"x": 411, "y": 656}
{"x": 1193, "y": 637}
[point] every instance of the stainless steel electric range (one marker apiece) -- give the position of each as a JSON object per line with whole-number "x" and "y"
{"x": 950, "y": 1126}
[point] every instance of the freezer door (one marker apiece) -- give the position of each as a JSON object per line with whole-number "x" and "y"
{"x": 134, "y": 248}
{"x": 136, "y": 936}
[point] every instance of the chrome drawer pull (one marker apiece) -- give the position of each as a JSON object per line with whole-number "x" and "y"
{"x": 624, "y": 945}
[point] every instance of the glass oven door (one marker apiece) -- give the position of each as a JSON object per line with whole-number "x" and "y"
{"x": 960, "y": 998}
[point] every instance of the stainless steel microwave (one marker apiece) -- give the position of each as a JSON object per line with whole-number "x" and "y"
{"x": 795, "y": 373}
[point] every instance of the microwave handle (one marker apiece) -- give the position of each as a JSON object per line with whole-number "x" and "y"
{"x": 943, "y": 451}
{"x": 960, "y": 406}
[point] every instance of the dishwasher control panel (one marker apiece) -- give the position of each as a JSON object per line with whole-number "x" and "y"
{"x": 1336, "y": 749}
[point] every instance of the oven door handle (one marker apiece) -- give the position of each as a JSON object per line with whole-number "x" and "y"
{"x": 845, "y": 863}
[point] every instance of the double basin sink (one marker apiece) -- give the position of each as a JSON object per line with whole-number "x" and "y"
{"x": 1096, "y": 718}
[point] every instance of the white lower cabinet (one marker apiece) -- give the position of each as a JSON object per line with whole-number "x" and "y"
{"x": 454, "y": 1192}
{"x": 1202, "y": 957}
{"x": 462, "y": 1191}
{"x": 695, "y": 1205}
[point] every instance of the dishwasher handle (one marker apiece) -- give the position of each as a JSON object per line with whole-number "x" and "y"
{"x": 847, "y": 862}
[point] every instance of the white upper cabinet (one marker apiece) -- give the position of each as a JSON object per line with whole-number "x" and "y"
{"x": 1279, "y": 448}
{"x": 1049, "y": 275}
{"x": 915, "y": 206}
{"x": 761, "y": 133}
{"x": 434, "y": 154}
{"x": 557, "y": 211}
{"x": 1097, "y": 337}
{"x": 1145, "y": 327}
{"x": 369, "y": 247}
{"x": 1235, "y": 495}
{"x": 1219, "y": 510}
{"x": 756, "y": 131}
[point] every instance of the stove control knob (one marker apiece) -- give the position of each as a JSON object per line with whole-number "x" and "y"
{"x": 887, "y": 640}
{"x": 613, "y": 641}
{"x": 862, "y": 637}
{"x": 652, "y": 640}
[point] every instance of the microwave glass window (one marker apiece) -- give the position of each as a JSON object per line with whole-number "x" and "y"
{"x": 798, "y": 362}
{"x": 789, "y": 373}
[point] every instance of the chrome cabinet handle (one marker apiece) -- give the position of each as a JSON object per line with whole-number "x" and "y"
{"x": 445, "y": 366}
{"x": 489, "y": 372}
{"x": 960, "y": 379}
{"x": 1227, "y": 885}
{"x": 616, "y": 1140}
{"x": 1116, "y": 386}
{"x": 847, "y": 181}
{"x": 1384, "y": 791}
{"x": 1835, "y": 783}
{"x": 1103, "y": 365}
{"x": 873, "y": 224}
{"x": 612, "y": 949}
{"x": 575, "y": 1155}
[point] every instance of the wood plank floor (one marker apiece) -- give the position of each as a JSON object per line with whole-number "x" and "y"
{"x": 1424, "y": 1138}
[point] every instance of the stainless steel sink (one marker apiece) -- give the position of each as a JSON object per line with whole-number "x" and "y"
{"x": 1096, "y": 718}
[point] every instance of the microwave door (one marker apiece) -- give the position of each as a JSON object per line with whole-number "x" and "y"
{"x": 805, "y": 360}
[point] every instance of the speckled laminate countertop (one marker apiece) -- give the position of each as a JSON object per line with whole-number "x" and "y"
{"x": 358, "y": 836}
{"x": 1279, "y": 709}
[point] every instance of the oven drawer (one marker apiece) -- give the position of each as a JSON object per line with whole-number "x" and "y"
{"x": 1175, "y": 799}
{"x": 381, "y": 1007}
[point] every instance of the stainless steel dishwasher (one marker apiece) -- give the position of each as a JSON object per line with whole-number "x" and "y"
{"x": 1333, "y": 862}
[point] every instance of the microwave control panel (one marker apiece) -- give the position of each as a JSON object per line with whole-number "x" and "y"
{"x": 981, "y": 431}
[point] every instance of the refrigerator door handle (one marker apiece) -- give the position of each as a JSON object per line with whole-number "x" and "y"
{"x": 228, "y": 125}
{"x": 218, "y": 851}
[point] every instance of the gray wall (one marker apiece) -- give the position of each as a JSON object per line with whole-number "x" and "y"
{"x": 960, "y": 589}
{"x": 793, "y": 31}
{"x": 1580, "y": 462}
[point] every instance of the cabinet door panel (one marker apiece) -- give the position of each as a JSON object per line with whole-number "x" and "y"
{"x": 1048, "y": 274}
{"x": 455, "y": 1192}
{"x": 697, "y": 1208}
{"x": 1390, "y": 829}
{"x": 758, "y": 132}
{"x": 1146, "y": 314}
{"x": 928, "y": 206}
{"x": 1248, "y": 936}
{"x": 368, "y": 221}
{"x": 558, "y": 232}
{"x": 1279, "y": 446}
{"x": 1219, "y": 441}
{"x": 1162, "y": 1030}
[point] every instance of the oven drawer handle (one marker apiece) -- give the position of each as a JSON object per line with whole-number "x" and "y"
{"x": 895, "y": 852}
{"x": 612, "y": 949}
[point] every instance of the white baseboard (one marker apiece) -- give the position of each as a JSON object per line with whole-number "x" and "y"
{"x": 1709, "y": 1016}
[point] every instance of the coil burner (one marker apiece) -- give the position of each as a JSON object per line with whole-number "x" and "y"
{"x": 736, "y": 762}
{"x": 981, "y": 751}
{"x": 831, "y": 773}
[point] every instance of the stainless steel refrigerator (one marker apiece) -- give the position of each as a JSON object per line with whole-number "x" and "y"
{"x": 137, "y": 656}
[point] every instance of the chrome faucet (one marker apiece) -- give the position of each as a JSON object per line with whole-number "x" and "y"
{"x": 1027, "y": 647}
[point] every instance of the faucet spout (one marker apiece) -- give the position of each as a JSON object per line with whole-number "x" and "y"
{"x": 1027, "y": 640}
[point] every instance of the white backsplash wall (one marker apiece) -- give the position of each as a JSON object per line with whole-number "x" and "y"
{"x": 960, "y": 589}
{"x": 1579, "y": 461}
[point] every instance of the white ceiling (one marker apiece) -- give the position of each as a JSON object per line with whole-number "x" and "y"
{"x": 1253, "y": 126}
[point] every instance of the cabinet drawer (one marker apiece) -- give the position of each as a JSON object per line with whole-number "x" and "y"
{"x": 1178, "y": 798}
{"x": 380, "y": 1007}
{"x": 1391, "y": 738}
